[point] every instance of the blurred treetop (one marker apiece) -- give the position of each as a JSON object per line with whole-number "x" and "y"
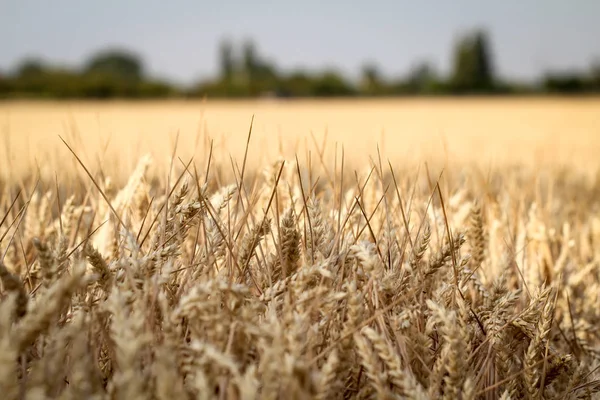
{"x": 243, "y": 72}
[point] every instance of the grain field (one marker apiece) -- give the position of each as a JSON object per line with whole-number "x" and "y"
{"x": 406, "y": 249}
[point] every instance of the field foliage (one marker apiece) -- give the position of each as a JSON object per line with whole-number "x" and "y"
{"x": 300, "y": 280}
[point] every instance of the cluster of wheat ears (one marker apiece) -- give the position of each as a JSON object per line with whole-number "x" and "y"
{"x": 281, "y": 285}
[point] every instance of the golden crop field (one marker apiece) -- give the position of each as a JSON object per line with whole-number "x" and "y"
{"x": 490, "y": 132}
{"x": 451, "y": 250}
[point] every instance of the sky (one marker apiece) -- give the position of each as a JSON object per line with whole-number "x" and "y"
{"x": 178, "y": 40}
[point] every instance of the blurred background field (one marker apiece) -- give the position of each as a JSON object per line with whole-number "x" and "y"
{"x": 490, "y": 133}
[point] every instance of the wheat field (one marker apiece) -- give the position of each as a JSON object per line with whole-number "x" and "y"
{"x": 409, "y": 249}
{"x": 488, "y": 132}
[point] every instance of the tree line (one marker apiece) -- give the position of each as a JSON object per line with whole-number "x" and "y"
{"x": 245, "y": 73}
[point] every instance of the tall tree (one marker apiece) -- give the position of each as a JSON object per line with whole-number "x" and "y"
{"x": 251, "y": 61}
{"x": 473, "y": 69}
{"x": 371, "y": 82}
{"x": 226, "y": 60}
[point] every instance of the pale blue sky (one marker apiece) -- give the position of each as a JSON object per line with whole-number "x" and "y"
{"x": 178, "y": 39}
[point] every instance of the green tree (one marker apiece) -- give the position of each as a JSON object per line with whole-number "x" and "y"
{"x": 331, "y": 84}
{"x": 297, "y": 84}
{"x": 595, "y": 76}
{"x": 250, "y": 59}
{"x": 371, "y": 81}
{"x": 30, "y": 68}
{"x": 226, "y": 60}
{"x": 422, "y": 79}
{"x": 119, "y": 64}
{"x": 473, "y": 69}
{"x": 567, "y": 83}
